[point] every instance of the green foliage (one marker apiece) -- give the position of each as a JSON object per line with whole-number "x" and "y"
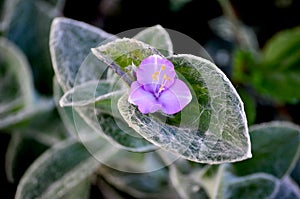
{"x": 284, "y": 138}
{"x": 27, "y": 25}
{"x": 275, "y": 72}
{"x": 100, "y": 138}
{"x": 57, "y": 171}
{"x": 71, "y": 74}
{"x": 157, "y": 37}
{"x": 200, "y": 133}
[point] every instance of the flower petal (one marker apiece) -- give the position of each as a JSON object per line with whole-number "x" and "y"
{"x": 145, "y": 101}
{"x": 175, "y": 98}
{"x": 155, "y": 71}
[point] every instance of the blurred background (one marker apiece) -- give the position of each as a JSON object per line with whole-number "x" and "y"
{"x": 194, "y": 18}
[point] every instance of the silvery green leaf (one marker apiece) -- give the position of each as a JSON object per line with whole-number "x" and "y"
{"x": 98, "y": 119}
{"x": 275, "y": 149}
{"x": 66, "y": 33}
{"x": 211, "y": 129}
{"x": 76, "y": 66}
{"x": 123, "y": 53}
{"x": 18, "y": 102}
{"x": 81, "y": 191}
{"x": 16, "y": 80}
{"x": 65, "y": 113}
{"x": 39, "y": 107}
{"x": 257, "y": 185}
{"x": 61, "y": 168}
{"x": 21, "y": 147}
{"x": 220, "y": 182}
{"x": 157, "y": 37}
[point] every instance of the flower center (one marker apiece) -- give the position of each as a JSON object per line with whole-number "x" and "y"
{"x": 159, "y": 81}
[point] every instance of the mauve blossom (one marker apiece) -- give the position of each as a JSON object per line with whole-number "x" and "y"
{"x": 157, "y": 87}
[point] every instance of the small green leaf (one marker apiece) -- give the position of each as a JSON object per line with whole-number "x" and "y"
{"x": 277, "y": 76}
{"x": 61, "y": 168}
{"x": 218, "y": 131}
{"x": 124, "y": 52}
{"x": 120, "y": 54}
{"x": 70, "y": 44}
{"x": 275, "y": 149}
{"x": 282, "y": 50}
{"x": 157, "y": 37}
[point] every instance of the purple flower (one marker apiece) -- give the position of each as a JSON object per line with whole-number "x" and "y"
{"x": 157, "y": 87}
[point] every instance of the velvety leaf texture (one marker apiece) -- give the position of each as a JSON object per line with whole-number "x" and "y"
{"x": 77, "y": 69}
{"x": 282, "y": 137}
{"x": 157, "y": 37}
{"x": 220, "y": 134}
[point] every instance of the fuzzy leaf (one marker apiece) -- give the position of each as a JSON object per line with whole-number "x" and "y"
{"x": 157, "y": 37}
{"x": 275, "y": 149}
{"x": 70, "y": 43}
{"x": 253, "y": 186}
{"x": 97, "y": 118}
{"x": 75, "y": 67}
{"x": 16, "y": 81}
{"x": 39, "y": 107}
{"x": 60, "y": 169}
{"x": 81, "y": 191}
{"x": 122, "y": 53}
{"x": 18, "y": 101}
{"x": 221, "y": 183}
{"x": 212, "y": 129}
{"x": 21, "y": 151}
